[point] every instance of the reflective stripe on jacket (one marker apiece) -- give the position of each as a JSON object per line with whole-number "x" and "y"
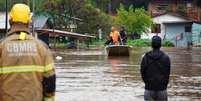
{"x": 23, "y": 66}
{"x": 28, "y": 68}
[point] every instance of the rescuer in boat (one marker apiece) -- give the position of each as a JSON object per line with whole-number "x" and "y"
{"x": 123, "y": 35}
{"x": 114, "y": 37}
{"x": 26, "y": 64}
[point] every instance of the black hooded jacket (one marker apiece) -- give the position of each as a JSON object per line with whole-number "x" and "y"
{"x": 155, "y": 70}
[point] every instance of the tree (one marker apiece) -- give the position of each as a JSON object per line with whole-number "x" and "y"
{"x": 38, "y": 4}
{"x": 135, "y": 20}
{"x": 2, "y": 7}
{"x": 101, "y": 4}
{"x": 65, "y": 12}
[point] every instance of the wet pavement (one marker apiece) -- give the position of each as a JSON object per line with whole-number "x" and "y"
{"x": 89, "y": 75}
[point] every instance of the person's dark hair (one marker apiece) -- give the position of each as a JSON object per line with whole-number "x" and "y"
{"x": 122, "y": 27}
{"x": 156, "y": 42}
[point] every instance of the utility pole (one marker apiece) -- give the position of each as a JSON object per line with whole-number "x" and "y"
{"x": 6, "y": 24}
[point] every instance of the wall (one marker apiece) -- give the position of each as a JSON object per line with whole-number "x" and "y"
{"x": 196, "y": 30}
{"x": 171, "y": 26}
{"x": 2, "y": 20}
{"x": 172, "y": 30}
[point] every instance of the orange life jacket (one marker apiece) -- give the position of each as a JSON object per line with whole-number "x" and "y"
{"x": 115, "y": 37}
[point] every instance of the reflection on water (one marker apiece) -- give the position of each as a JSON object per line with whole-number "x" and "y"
{"x": 89, "y": 75}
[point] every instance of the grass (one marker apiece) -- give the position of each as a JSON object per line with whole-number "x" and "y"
{"x": 147, "y": 43}
{"x": 97, "y": 42}
{"x": 135, "y": 43}
{"x": 139, "y": 43}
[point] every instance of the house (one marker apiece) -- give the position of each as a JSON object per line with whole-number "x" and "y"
{"x": 56, "y": 34}
{"x": 172, "y": 27}
{"x": 46, "y": 31}
{"x": 41, "y": 21}
{"x": 46, "y": 22}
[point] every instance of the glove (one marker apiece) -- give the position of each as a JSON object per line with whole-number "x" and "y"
{"x": 49, "y": 98}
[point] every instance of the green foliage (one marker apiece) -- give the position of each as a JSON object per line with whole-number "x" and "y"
{"x": 38, "y": 4}
{"x": 98, "y": 42}
{"x": 168, "y": 44}
{"x": 101, "y": 4}
{"x": 93, "y": 19}
{"x": 64, "y": 12}
{"x": 147, "y": 43}
{"x": 139, "y": 42}
{"x": 135, "y": 20}
{"x": 2, "y": 6}
{"x": 10, "y": 4}
{"x": 182, "y": 10}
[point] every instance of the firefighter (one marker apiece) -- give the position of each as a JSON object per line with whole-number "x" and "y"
{"x": 26, "y": 64}
{"x": 115, "y": 36}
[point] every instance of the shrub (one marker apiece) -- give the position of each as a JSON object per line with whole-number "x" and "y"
{"x": 147, "y": 43}
{"x": 139, "y": 42}
{"x": 168, "y": 44}
{"x": 134, "y": 19}
{"x": 97, "y": 42}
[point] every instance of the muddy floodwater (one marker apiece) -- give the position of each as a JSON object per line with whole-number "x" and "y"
{"x": 89, "y": 75}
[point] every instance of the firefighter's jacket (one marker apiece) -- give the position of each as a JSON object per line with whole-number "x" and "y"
{"x": 26, "y": 68}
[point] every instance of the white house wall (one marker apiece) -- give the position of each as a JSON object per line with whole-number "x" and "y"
{"x": 3, "y": 20}
{"x": 196, "y": 30}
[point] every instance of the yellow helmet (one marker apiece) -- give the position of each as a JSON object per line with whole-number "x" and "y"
{"x": 20, "y": 13}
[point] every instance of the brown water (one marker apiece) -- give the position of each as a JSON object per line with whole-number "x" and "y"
{"x": 89, "y": 75}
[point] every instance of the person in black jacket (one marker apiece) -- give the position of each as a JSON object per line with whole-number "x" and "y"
{"x": 123, "y": 35}
{"x": 155, "y": 71}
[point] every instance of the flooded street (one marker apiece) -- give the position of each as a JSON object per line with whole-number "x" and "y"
{"x": 89, "y": 75}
